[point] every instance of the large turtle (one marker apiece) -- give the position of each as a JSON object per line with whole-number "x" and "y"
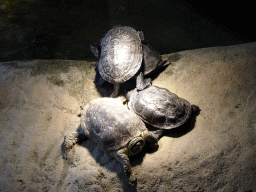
{"x": 121, "y": 54}
{"x": 160, "y": 108}
{"x": 115, "y": 129}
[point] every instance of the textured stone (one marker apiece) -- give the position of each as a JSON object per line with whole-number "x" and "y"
{"x": 39, "y": 104}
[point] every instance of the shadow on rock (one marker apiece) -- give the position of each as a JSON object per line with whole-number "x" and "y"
{"x": 183, "y": 129}
{"x": 107, "y": 88}
{"x": 138, "y": 159}
{"x": 154, "y": 74}
{"x": 113, "y": 165}
{"x": 179, "y": 131}
{"x": 103, "y": 158}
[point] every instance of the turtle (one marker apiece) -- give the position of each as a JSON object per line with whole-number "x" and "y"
{"x": 115, "y": 129}
{"x": 121, "y": 53}
{"x": 160, "y": 108}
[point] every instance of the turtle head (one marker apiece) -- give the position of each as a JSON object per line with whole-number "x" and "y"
{"x": 129, "y": 94}
{"x": 195, "y": 110}
{"x": 135, "y": 146}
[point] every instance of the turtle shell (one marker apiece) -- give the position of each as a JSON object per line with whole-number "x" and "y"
{"x": 121, "y": 54}
{"x": 110, "y": 124}
{"x": 160, "y": 108}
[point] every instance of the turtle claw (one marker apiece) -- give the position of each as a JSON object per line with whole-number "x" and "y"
{"x": 147, "y": 82}
{"x": 129, "y": 175}
{"x": 161, "y": 63}
{"x": 70, "y": 140}
{"x": 64, "y": 152}
{"x": 132, "y": 180}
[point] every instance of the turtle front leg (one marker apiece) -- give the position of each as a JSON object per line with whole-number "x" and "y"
{"x": 161, "y": 63}
{"x": 158, "y": 133}
{"x": 148, "y": 136}
{"x": 116, "y": 90}
{"x": 70, "y": 141}
{"x": 122, "y": 157}
{"x": 142, "y": 83}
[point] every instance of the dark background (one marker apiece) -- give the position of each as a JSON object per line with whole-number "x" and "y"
{"x": 237, "y": 16}
{"x": 63, "y": 29}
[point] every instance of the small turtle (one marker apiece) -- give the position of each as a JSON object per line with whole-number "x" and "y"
{"x": 121, "y": 53}
{"x": 160, "y": 108}
{"x": 115, "y": 129}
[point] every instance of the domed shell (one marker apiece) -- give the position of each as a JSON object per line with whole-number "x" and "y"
{"x": 110, "y": 124}
{"x": 121, "y": 54}
{"x": 160, "y": 108}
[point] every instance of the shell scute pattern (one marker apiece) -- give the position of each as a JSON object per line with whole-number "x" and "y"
{"x": 121, "y": 54}
{"x": 111, "y": 125}
{"x": 160, "y": 108}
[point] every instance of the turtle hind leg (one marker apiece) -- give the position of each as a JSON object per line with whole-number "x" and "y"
{"x": 142, "y": 83}
{"x": 116, "y": 90}
{"x": 122, "y": 157}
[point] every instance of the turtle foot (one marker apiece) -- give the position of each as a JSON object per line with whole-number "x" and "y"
{"x": 116, "y": 91}
{"x": 69, "y": 142}
{"x": 158, "y": 133}
{"x": 132, "y": 180}
{"x": 142, "y": 83}
{"x": 161, "y": 63}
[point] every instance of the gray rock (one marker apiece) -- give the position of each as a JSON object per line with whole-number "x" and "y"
{"x": 39, "y": 104}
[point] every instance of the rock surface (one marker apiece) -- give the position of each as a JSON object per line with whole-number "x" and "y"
{"x": 39, "y": 104}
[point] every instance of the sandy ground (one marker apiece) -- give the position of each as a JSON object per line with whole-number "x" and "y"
{"x": 39, "y": 104}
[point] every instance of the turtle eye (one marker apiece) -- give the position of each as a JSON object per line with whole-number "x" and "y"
{"x": 137, "y": 147}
